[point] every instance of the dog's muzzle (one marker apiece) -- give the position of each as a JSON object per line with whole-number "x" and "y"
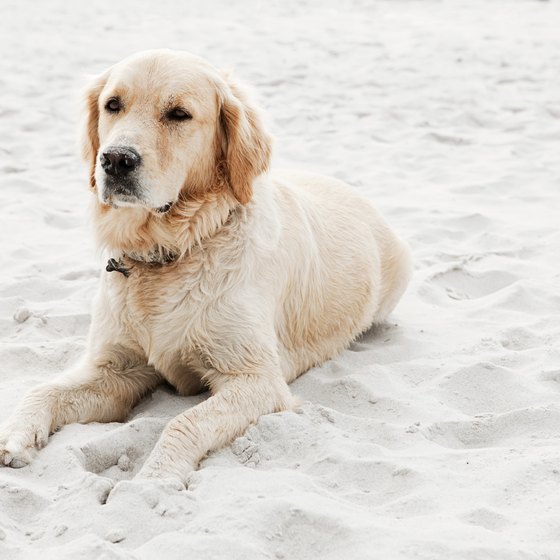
{"x": 121, "y": 182}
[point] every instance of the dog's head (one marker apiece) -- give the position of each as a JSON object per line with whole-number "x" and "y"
{"x": 162, "y": 123}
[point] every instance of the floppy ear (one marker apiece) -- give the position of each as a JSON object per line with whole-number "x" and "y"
{"x": 90, "y": 135}
{"x": 246, "y": 145}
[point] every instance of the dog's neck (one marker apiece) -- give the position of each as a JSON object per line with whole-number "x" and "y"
{"x": 149, "y": 238}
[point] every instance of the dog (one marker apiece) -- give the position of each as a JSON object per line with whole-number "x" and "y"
{"x": 221, "y": 277}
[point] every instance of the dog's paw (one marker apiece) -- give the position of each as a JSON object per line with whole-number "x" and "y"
{"x": 19, "y": 441}
{"x": 162, "y": 464}
{"x": 161, "y": 478}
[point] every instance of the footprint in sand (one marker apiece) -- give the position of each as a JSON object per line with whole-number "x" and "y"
{"x": 19, "y": 503}
{"x": 365, "y": 481}
{"x": 520, "y": 338}
{"x": 119, "y": 453}
{"x": 461, "y": 284}
{"x": 520, "y": 427}
{"x": 486, "y": 518}
{"x": 485, "y": 387}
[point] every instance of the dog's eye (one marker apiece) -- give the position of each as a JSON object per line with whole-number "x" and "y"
{"x": 178, "y": 114}
{"x": 113, "y": 105}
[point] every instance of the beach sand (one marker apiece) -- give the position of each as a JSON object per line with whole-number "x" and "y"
{"x": 434, "y": 436}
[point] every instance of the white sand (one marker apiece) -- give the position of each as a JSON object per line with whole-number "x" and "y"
{"x": 434, "y": 437}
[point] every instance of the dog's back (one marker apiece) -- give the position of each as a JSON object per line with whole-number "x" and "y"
{"x": 347, "y": 275}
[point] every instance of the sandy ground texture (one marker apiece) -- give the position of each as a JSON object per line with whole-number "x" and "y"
{"x": 436, "y": 436}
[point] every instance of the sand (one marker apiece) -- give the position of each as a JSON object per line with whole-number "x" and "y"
{"x": 435, "y": 436}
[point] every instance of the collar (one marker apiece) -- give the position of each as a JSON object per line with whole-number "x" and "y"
{"x": 162, "y": 257}
{"x": 153, "y": 258}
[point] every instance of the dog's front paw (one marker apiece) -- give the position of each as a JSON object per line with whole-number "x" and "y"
{"x": 171, "y": 478}
{"x": 19, "y": 440}
{"x": 160, "y": 466}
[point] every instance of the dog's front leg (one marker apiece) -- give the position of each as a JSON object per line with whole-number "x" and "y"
{"x": 238, "y": 401}
{"x": 101, "y": 390}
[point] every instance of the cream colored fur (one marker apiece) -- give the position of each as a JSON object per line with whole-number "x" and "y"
{"x": 276, "y": 273}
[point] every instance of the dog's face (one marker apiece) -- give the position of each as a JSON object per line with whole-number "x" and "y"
{"x": 162, "y": 123}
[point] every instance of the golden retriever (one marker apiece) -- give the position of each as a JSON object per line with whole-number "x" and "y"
{"x": 221, "y": 276}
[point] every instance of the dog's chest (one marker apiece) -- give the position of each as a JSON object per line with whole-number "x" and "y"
{"x": 164, "y": 308}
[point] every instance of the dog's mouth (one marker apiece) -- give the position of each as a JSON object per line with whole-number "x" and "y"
{"x": 121, "y": 192}
{"x": 122, "y": 199}
{"x": 126, "y": 201}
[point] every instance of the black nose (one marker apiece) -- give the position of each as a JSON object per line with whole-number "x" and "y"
{"x": 119, "y": 162}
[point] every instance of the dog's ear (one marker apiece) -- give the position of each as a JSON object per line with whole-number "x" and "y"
{"x": 246, "y": 146}
{"x": 90, "y": 134}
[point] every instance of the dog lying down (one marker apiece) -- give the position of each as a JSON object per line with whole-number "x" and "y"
{"x": 221, "y": 277}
